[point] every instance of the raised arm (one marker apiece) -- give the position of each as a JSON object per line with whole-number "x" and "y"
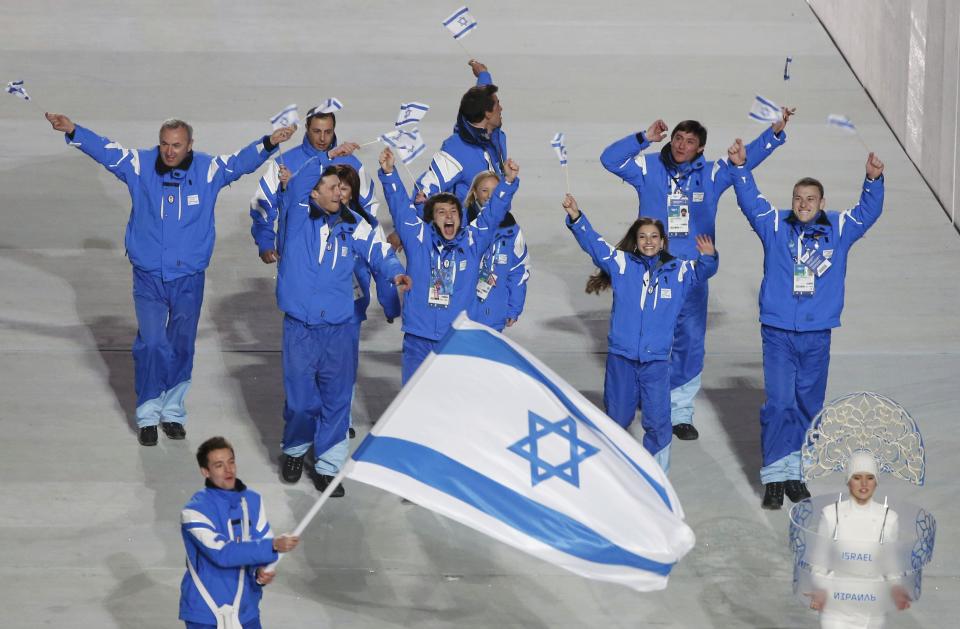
{"x": 707, "y": 263}
{"x": 369, "y": 245}
{"x": 498, "y": 206}
{"x": 123, "y": 163}
{"x": 407, "y": 224}
{"x": 225, "y": 169}
{"x": 760, "y": 149}
{"x": 480, "y": 72}
{"x": 855, "y": 222}
{"x": 760, "y": 213}
{"x": 623, "y": 159}
{"x": 603, "y": 255}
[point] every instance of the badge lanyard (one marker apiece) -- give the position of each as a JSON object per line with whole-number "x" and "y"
{"x": 678, "y": 206}
{"x": 443, "y": 275}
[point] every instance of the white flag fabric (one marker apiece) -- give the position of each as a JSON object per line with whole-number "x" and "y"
{"x": 560, "y": 147}
{"x": 16, "y": 88}
{"x": 837, "y": 120}
{"x": 408, "y": 143}
{"x": 460, "y": 23}
{"x": 411, "y": 114}
{"x": 764, "y": 110}
{"x": 287, "y": 117}
{"x": 329, "y": 106}
{"x": 487, "y": 435}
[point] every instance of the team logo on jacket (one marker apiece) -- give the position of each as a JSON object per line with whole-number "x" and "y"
{"x": 697, "y": 197}
{"x": 170, "y": 198}
{"x": 193, "y": 199}
{"x": 665, "y": 293}
{"x": 827, "y": 253}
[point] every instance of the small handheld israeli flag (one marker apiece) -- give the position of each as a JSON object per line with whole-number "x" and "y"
{"x": 411, "y": 114}
{"x": 288, "y": 117}
{"x": 329, "y": 106}
{"x": 460, "y": 23}
{"x": 408, "y": 143}
{"x": 16, "y": 88}
{"x": 764, "y": 110}
{"x": 836, "y": 120}
{"x": 786, "y": 69}
{"x": 560, "y": 147}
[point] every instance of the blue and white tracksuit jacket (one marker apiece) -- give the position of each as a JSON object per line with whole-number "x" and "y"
{"x": 169, "y": 240}
{"x": 796, "y": 327}
{"x": 211, "y": 524}
{"x": 648, "y": 294}
{"x": 507, "y": 259}
{"x": 263, "y": 204}
{"x": 655, "y": 176}
{"x": 315, "y": 288}
{"x": 467, "y": 152}
{"x": 429, "y": 255}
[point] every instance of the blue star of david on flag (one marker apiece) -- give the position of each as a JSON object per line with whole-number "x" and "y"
{"x": 541, "y": 469}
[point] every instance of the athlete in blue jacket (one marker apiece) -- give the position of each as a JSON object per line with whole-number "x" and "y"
{"x": 321, "y": 242}
{"x": 805, "y": 253}
{"x": 443, "y": 257}
{"x": 169, "y": 241}
{"x": 649, "y": 289}
{"x": 505, "y": 265}
{"x": 319, "y": 144}
{"x": 228, "y": 542}
{"x": 681, "y": 189}
{"x": 477, "y": 143}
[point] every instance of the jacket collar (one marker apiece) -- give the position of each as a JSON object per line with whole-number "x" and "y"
{"x": 311, "y": 151}
{"x": 163, "y": 169}
{"x": 662, "y": 260}
{"x": 666, "y": 156}
{"x": 817, "y": 224}
{"x": 344, "y": 215}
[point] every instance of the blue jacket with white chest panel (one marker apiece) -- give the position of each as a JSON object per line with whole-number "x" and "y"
{"x": 171, "y": 232}
{"x": 315, "y": 274}
{"x": 647, "y": 293}
{"x": 830, "y": 235}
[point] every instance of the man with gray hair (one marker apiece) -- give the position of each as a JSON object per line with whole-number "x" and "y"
{"x": 169, "y": 240}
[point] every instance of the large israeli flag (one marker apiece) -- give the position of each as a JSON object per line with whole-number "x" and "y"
{"x": 487, "y": 435}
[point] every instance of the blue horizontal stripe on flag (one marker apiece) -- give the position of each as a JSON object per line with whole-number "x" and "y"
{"x": 761, "y": 118}
{"x": 767, "y": 103}
{"x": 540, "y": 522}
{"x": 465, "y": 31}
{"x": 415, "y": 154}
{"x": 482, "y": 344}
{"x": 455, "y": 15}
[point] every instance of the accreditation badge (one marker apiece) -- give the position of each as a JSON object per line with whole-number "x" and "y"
{"x": 678, "y": 214}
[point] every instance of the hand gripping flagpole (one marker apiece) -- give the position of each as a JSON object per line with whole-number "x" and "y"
{"x": 312, "y": 513}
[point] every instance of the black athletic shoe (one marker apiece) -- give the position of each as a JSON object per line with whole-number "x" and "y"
{"x": 173, "y": 430}
{"x": 353, "y": 433}
{"x": 322, "y": 481}
{"x": 796, "y": 490}
{"x": 685, "y": 432}
{"x": 147, "y": 436}
{"x": 772, "y": 496}
{"x": 292, "y": 468}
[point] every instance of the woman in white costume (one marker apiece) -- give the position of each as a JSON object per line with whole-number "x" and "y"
{"x": 870, "y": 525}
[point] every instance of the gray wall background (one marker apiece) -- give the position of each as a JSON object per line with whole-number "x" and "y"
{"x": 907, "y": 55}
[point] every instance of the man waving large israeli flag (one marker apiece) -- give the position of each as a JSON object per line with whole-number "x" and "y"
{"x": 486, "y": 434}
